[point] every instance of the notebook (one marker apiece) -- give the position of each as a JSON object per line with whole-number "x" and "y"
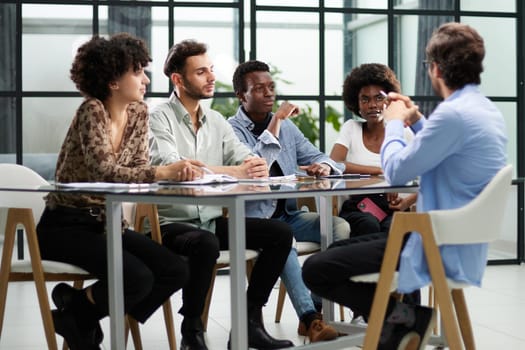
{"x": 207, "y": 179}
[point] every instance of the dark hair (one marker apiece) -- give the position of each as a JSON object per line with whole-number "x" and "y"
{"x": 365, "y": 75}
{"x": 176, "y": 60}
{"x": 458, "y": 50}
{"x": 101, "y": 61}
{"x": 239, "y": 84}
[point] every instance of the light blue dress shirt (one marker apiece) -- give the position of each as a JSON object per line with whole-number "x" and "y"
{"x": 289, "y": 151}
{"x": 456, "y": 151}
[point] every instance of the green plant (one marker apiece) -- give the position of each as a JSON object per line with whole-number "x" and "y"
{"x": 227, "y": 106}
{"x": 307, "y": 121}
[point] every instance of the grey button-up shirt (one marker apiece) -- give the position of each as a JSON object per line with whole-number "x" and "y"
{"x": 215, "y": 143}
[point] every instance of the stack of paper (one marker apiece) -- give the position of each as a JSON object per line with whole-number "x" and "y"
{"x": 207, "y": 179}
{"x": 272, "y": 179}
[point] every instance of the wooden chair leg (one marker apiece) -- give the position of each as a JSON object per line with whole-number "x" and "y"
{"x": 443, "y": 296}
{"x": 5, "y": 269}
{"x": 280, "y": 302}
{"x": 249, "y": 268}
{"x": 432, "y": 302}
{"x": 149, "y": 211}
{"x": 170, "y": 325}
{"x": 431, "y": 297}
{"x": 25, "y": 217}
{"x": 463, "y": 318}
{"x": 206, "y": 311}
{"x": 341, "y": 313}
{"x": 126, "y": 331}
{"x": 133, "y": 326}
{"x": 400, "y": 226}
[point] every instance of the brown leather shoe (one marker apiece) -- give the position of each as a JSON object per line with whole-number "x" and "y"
{"x": 301, "y": 330}
{"x": 320, "y": 331}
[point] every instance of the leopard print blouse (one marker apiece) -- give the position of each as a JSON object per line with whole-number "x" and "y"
{"x": 87, "y": 153}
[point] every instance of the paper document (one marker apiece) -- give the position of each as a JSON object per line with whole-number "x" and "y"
{"x": 207, "y": 179}
{"x": 272, "y": 179}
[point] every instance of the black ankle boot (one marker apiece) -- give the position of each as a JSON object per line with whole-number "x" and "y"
{"x": 73, "y": 302}
{"x": 66, "y": 325}
{"x": 192, "y": 334}
{"x": 258, "y": 338}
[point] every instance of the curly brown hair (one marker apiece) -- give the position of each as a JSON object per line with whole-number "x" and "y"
{"x": 365, "y": 75}
{"x": 101, "y": 61}
{"x": 176, "y": 59}
{"x": 458, "y": 50}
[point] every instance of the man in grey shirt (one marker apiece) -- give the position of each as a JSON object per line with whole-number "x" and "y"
{"x": 184, "y": 128}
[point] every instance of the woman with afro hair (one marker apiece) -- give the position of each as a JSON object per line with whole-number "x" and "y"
{"x": 359, "y": 143}
{"x": 107, "y": 141}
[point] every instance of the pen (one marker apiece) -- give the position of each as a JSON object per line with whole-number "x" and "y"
{"x": 385, "y": 95}
{"x": 206, "y": 170}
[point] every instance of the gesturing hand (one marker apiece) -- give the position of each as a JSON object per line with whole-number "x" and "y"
{"x": 286, "y": 110}
{"x": 317, "y": 169}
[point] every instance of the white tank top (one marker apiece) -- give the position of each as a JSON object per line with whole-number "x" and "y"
{"x": 351, "y": 137}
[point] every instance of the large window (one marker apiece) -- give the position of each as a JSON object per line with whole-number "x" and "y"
{"x": 310, "y": 44}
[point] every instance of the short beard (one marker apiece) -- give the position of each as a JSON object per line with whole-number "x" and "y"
{"x": 190, "y": 91}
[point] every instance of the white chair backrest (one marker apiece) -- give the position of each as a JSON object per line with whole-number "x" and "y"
{"x": 128, "y": 212}
{"x": 19, "y": 176}
{"x": 479, "y": 221}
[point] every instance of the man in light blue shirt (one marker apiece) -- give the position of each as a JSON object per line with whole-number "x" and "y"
{"x": 456, "y": 152}
{"x": 274, "y": 137}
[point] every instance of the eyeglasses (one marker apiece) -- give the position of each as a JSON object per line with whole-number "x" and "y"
{"x": 377, "y": 98}
{"x": 426, "y": 63}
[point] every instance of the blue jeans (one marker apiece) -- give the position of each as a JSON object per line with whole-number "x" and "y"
{"x": 306, "y": 228}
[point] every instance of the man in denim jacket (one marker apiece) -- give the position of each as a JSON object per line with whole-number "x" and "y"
{"x": 282, "y": 144}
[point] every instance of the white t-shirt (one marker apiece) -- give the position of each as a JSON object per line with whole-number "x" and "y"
{"x": 351, "y": 137}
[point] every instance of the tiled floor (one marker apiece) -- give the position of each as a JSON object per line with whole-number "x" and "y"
{"x": 497, "y": 312}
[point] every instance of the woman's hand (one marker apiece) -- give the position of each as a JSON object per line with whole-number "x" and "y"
{"x": 398, "y": 203}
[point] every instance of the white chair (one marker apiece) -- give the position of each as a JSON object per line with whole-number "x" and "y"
{"x": 480, "y": 221}
{"x": 25, "y": 208}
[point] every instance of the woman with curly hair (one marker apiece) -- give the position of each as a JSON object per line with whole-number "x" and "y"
{"x": 359, "y": 143}
{"x": 107, "y": 141}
